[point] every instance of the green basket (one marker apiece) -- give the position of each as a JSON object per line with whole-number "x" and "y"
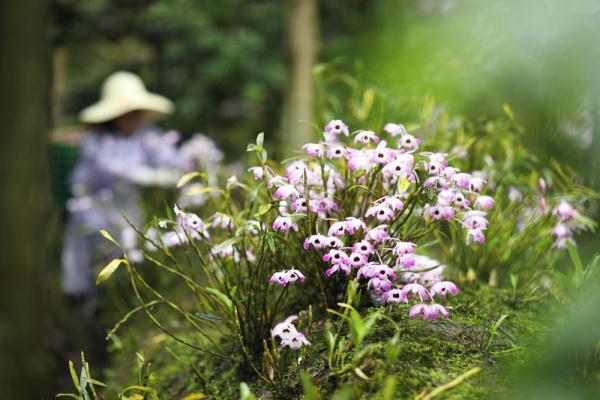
{"x": 63, "y": 158}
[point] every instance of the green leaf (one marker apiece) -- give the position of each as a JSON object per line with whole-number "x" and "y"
{"x": 508, "y": 111}
{"x": 389, "y": 388}
{"x": 83, "y": 380}
{"x": 310, "y": 390}
{"x": 500, "y": 321}
{"x": 195, "y": 396}
{"x": 221, "y": 297}
{"x": 361, "y": 374}
{"x": 225, "y": 244}
{"x": 514, "y": 281}
{"x": 262, "y": 156}
{"x": 354, "y": 187}
{"x": 271, "y": 243}
{"x": 74, "y": 376}
{"x": 346, "y": 393}
{"x": 188, "y": 177}
{"x": 344, "y": 305}
{"x": 71, "y": 395}
{"x": 290, "y": 159}
{"x": 260, "y": 138}
{"x": 108, "y": 237}
{"x": 330, "y": 341}
{"x": 208, "y": 317}
{"x": 591, "y": 269}
{"x": 579, "y": 271}
{"x": 245, "y": 393}
{"x": 197, "y": 190}
{"x": 263, "y": 209}
{"x": 109, "y": 270}
{"x": 96, "y": 382}
{"x": 144, "y": 389}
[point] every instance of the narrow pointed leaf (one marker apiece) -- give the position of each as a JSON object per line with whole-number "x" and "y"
{"x": 108, "y": 270}
{"x": 188, "y": 177}
{"x": 107, "y": 236}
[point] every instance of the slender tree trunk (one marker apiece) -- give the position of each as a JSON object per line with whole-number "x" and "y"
{"x": 24, "y": 115}
{"x": 594, "y": 171}
{"x": 303, "y": 44}
{"x": 59, "y": 83}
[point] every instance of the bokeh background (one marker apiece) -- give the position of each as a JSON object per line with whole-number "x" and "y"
{"x": 238, "y": 67}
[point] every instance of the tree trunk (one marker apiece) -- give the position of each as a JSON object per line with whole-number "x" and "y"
{"x": 303, "y": 40}
{"x": 59, "y": 83}
{"x": 594, "y": 154}
{"x": 24, "y": 115}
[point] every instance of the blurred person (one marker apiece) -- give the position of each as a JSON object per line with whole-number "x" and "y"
{"x": 121, "y": 151}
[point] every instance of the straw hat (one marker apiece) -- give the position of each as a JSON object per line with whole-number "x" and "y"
{"x": 123, "y": 92}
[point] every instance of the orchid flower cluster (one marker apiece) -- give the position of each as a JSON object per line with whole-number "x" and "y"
{"x": 357, "y": 211}
{"x": 352, "y": 213}
{"x": 365, "y": 240}
{"x": 567, "y": 219}
{"x": 289, "y": 335}
{"x": 566, "y": 224}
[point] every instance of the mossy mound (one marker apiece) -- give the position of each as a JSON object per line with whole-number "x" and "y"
{"x": 489, "y": 329}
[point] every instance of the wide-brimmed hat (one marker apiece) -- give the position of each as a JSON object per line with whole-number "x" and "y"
{"x": 123, "y": 92}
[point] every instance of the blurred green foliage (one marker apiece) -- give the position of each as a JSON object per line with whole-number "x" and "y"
{"x": 539, "y": 56}
{"x": 223, "y": 62}
{"x": 519, "y": 238}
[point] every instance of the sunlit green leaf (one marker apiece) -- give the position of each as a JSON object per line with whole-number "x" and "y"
{"x": 245, "y": 393}
{"x": 260, "y": 138}
{"x": 263, "y": 209}
{"x": 74, "y": 375}
{"x": 108, "y": 270}
{"x": 198, "y": 190}
{"x": 224, "y": 245}
{"x": 188, "y": 177}
{"x": 108, "y": 237}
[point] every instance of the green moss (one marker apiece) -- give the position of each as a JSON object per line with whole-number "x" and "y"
{"x": 430, "y": 354}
